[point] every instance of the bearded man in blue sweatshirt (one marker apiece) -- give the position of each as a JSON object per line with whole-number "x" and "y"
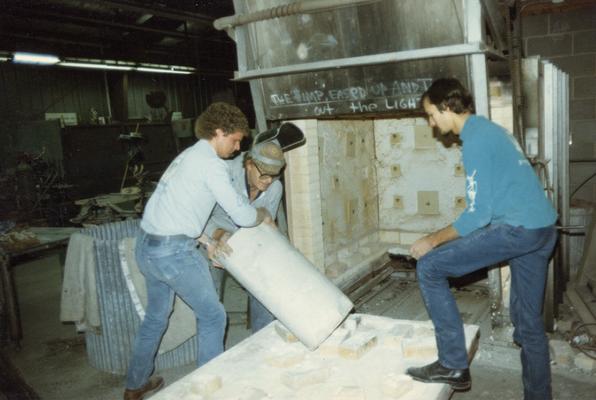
{"x": 507, "y": 218}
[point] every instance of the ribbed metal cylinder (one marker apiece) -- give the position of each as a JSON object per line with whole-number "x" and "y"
{"x": 109, "y": 348}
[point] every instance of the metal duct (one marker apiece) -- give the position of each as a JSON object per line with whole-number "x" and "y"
{"x": 109, "y": 349}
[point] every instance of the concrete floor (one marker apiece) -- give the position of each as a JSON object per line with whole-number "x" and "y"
{"x": 53, "y": 360}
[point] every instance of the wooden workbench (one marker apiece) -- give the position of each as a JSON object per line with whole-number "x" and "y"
{"x": 267, "y": 366}
{"x": 48, "y": 239}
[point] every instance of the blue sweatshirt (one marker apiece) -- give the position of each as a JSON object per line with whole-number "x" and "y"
{"x": 501, "y": 185}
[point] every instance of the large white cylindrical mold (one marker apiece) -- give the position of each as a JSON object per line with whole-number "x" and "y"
{"x": 287, "y": 283}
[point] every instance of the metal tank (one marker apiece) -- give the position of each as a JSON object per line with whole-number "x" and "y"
{"x": 326, "y": 58}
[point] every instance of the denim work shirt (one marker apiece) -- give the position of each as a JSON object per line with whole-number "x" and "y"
{"x": 187, "y": 192}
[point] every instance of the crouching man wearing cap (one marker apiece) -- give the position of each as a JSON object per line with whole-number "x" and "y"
{"x": 255, "y": 175}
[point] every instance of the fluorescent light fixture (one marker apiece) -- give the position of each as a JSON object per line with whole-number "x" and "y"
{"x": 162, "y": 70}
{"x": 4, "y": 58}
{"x": 125, "y": 66}
{"x": 32, "y": 58}
{"x": 95, "y": 66}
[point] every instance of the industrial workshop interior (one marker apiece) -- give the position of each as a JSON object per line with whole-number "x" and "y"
{"x": 97, "y": 98}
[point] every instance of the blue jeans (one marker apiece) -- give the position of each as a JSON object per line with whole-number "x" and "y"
{"x": 260, "y": 317}
{"x": 528, "y": 252}
{"x": 173, "y": 265}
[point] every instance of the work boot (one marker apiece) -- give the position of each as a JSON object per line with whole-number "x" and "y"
{"x": 153, "y": 385}
{"x": 459, "y": 379}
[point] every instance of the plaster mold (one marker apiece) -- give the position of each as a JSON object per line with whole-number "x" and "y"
{"x": 285, "y": 334}
{"x": 291, "y": 288}
{"x": 357, "y": 345}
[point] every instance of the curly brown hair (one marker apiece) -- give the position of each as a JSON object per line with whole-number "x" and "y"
{"x": 222, "y": 116}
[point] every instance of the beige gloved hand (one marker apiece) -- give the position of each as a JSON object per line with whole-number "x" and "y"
{"x": 218, "y": 247}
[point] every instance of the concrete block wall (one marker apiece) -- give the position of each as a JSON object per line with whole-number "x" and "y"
{"x": 303, "y": 196}
{"x": 568, "y": 39}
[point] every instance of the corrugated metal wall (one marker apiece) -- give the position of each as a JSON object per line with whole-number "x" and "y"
{"x": 140, "y": 85}
{"x": 82, "y": 153}
{"x": 28, "y": 92}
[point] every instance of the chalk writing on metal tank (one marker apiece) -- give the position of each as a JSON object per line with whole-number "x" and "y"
{"x": 400, "y": 94}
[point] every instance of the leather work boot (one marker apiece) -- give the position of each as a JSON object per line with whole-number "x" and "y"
{"x": 153, "y": 385}
{"x": 459, "y": 379}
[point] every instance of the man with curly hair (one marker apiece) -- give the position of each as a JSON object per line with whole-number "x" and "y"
{"x": 166, "y": 249}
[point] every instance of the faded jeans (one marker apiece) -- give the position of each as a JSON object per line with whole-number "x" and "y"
{"x": 260, "y": 317}
{"x": 528, "y": 252}
{"x": 173, "y": 265}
